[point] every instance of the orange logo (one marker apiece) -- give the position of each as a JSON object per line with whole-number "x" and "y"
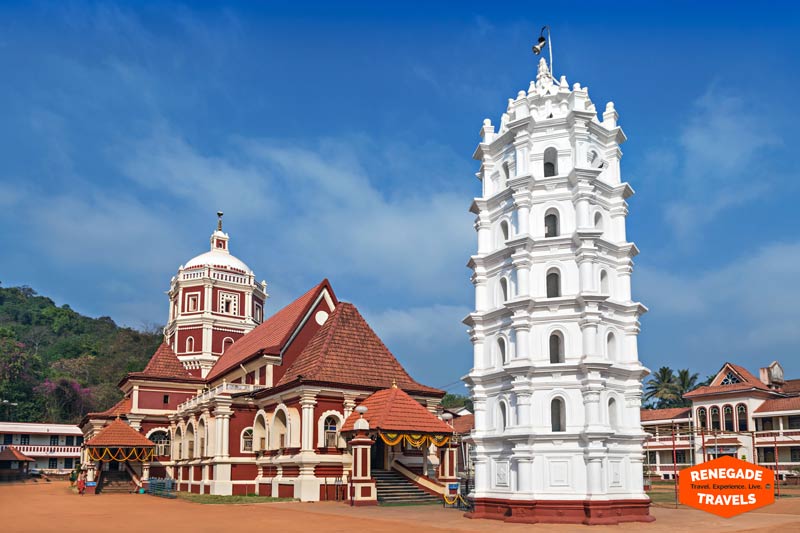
{"x": 726, "y": 486}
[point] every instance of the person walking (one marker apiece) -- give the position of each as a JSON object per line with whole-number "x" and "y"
{"x": 81, "y": 484}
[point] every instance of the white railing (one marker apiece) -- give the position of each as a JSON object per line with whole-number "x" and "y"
{"x": 667, "y": 439}
{"x": 224, "y": 388}
{"x": 229, "y": 277}
{"x": 37, "y": 450}
{"x": 195, "y": 274}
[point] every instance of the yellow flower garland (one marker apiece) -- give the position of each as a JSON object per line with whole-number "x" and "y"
{"x": 414, "y": 439}
{"x": 105, "y": 456}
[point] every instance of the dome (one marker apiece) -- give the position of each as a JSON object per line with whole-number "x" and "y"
{"x": 217, "y": 258}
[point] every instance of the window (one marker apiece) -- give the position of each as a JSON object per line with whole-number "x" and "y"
{"x": 78, "y": 440}
{"x": 604, "y": 289}
{"x": 768, "y": 455}
{"x": 68, "y": 463}
{"x": 795, "y": 454}
{"x": 8, "y": 438}
{"x": 612, "y": 413}
{"x": 702, "y": 418}
{"x": 330, "y": 426}
{"x": 226, "y": 343}
{"x": 502, "y": 423}
{"x": 598, "y": 221}
{"x": 553, "y": 285}
{"x": 741, "y": 416}
{"x": 731, "y": 379}
{"x": 259, "y": 313}
{"x": 502, "y": 350}
{"x": 611, "y": 346}
{"x": 651, "y": 458}
{"x": 715, "y": 418}
{"x": 189, "y": 344}
{"x": 558, "y": 420}
{"x": 504, "y": 230}
{"x": 161, "y": 440}
{"x": 24, "y": 439}
{"x": 53, "y": 440}
{"x": 192, "y": 302}
{"x": 728, "y": 416}
{"x": 69, "y": 440}
{"x": 280, "y": 428}
{"x": 52, "y": 463}
{"x": 793, "y": 422}
{"x": 229, "y": 303}
{"x": 556, "y": 348}
{"x": 551, "y": 228}
{"x": 165, "y": 399}
{"x": 503, "y": 290}
{"x": 766, "y": 424}
{"x": 680, "y": 456}
{"x": 550, "y": 162}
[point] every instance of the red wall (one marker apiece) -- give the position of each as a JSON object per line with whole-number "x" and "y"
{"x": 218, "y": 336}
{"x": 215, "y": 301}
{"x": 241, "y": 418}
{"x": 192, "y": 290}
{"x": 184, "y": 334}
{"x": 308, "y": 331}
{"x": 155, "y": 399}
{"x": 325, "y": 404}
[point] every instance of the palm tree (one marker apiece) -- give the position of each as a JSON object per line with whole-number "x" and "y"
{"x": 685, "y": 381}
{"x": 662, "y": 387}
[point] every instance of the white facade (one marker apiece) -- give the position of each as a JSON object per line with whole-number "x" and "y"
{"x": 55, "y": 447}
{"x": 556, "y": 380}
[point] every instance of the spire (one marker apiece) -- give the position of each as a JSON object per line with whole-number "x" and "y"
{"x": 544, "y": 71}
{"x": 219, "y": 239}
{"x": 219, "y": 220}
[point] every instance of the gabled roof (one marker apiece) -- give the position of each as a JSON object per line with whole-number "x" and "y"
{"x": 792, "y": 386}
{"x": 649, "y": 415}
{"x": 119, "y": 434}
{"x": 749, "y": 381}
{"x": 346, "y": 351}
{"x": 12, "y": 454}
{"x": 393, "y": 410}
{"x": 122, "y": 407}
{"x": 780, "y": 404}
{"x": 271, "y": 335}
{"x": 464, "y": 424}
{"x": 165, "y": 365}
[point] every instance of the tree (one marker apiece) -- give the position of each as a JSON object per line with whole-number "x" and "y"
{"x": 456, "y": 401}
{"x": 685, "y": 381}
{"x": 662, "y": 388}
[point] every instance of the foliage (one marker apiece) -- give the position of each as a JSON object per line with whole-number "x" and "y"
{"x": 456, "y": 401}
{"x": 216, "y": 499}
{"x": 665, "y": 389}
{"x": 55, "y": 364}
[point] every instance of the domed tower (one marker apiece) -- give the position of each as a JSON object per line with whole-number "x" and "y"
{"x": 556, "y": 380}
{"x": 213, "y": 300}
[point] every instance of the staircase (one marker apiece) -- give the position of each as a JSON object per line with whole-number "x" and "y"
{"x": 394, "y": 488}
{"x": 116, "y": 482}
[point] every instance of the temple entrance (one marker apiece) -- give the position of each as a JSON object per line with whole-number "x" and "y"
{"x": 378, "y": 455}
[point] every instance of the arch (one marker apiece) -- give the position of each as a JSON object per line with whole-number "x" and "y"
{"x": 503, "y": 290}
{"x": 611, "y": 346}
{"x": 279, "y": 429}
{"x": 260, "y": 432}
{"x": 189, "y": 344}
{"x": 160, "y": 437}
{"x": 715, "y": 420}
{"x": 246, "y": 440}
{"x": 551, "y": 223}
{"x": 327, "y": 433}
{"x": 188, "y": 438}
{"x": 504, "y": 231}
{"x": 502, "y": 351}
{"x": 502, "y": 420}
{"x": 558, "y": 415}
{"x": 178, "y": 452}
{"x": 226, "y": 342}
{"x": 604, "y": 285}
{"x": 202, "y": 437}
{"x": 612, "y": 413}
{"x": 741, "y": 417}
{"x": 550, "y": 162}
{"x": 598, "y": 221}
{"x": 553, "y": 282}
{"x": 702, "y": 417}
{"x": 727, "y": 417}
{"x": 556, "y": 347}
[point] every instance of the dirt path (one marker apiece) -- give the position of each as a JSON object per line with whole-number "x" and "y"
{"x": 54, "y": 507}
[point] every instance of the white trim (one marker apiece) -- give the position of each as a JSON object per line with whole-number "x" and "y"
{"x": 321, "y": 428}
{"x": 252, "y": 440}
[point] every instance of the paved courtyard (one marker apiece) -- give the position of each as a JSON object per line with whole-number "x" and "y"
{"x": 54, "y": 507}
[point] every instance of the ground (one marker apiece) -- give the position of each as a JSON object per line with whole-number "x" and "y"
{"x": 55, "y": 507}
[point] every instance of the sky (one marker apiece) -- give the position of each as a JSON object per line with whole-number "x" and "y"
{"x": 337, "y": 138}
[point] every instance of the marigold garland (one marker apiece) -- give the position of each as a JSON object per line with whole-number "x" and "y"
{"x": 414, "y": 439}
{"x": 105, "y": 455}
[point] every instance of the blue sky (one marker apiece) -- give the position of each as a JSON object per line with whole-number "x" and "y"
{"x": 338, "y": 141}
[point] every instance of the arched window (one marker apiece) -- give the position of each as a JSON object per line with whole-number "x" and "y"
{"x": 189, "y": 344}
{"x": 551, "y": 228}
{"x": 611, "y": 346}
{"x": 503, "y": 290}
{"x": 741, "y": 416}
{"x": 553, "y": 284}
{"x": 502, "y": 350}
{"x": 604, "y": 289}
{"x": 161, "y": 440}
{"x": 330, "y": 426}
{"x": 558, "y": 417}
{"x": 502, "y": 423}
{"x": 189, "y": 438}
{"x": 179, "y": 441}
{"x": 201, "y": 438}
{"x": 247, "y": 440}
{"x": 556, "y": 347}
{"x": 715, "y": 423}
{"x": 612, "y": 413}
{"x": 727, "y": 412}
{"x": 702, "y": 418}
{"x": 504, "y": 230}
{"x": 598, "y": 221}
{"x": 550, "y": 162}
{"x": 260, "y": 434}
{"x": 226, "y": 343}
{"x": 279, "y": 431}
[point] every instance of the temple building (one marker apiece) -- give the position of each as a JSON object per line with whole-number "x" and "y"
{"x": 556, "y": 380}
{"x": 308, "y": 403}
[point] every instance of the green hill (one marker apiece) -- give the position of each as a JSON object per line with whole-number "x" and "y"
{"x": 56, "y": 364}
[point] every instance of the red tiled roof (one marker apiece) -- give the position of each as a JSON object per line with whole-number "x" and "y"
{"x": 122, "y": 407}
{"x": 649, "y": 415}
{"x": 792, "y": 386}
{"x": 118, "y": 433}
{"x": 780, "y": 404}
{"x": 12, "y": 454}
{"x": 165, "y": 364}
{"x": 464, "y": 424}
{"x": 749, "y": 381}
{"x": 394, "y": 410}
{"x": 271, "y": 335}
{"x": 346, "y": 351}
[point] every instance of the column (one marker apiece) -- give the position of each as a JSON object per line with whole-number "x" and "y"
{"x": 589, "y": 336}
{"x": 522, "y": 344}
{"x": 524, "y": 409}
{"x": 362, "y": 487}
{"x": 623, "y": 283}
{"x": 484, "y": 229}
{"x": 307, "y": 403}
{"x": 582, "y": 211}
{"x": 482, "y": 299}
{"x": 349, "y": 404}
{"x": 591, "y": 405}
{"x": 522, "y": 203}
{"x": 522, "y": 266}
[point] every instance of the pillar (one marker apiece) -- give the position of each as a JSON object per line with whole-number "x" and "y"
{"x": 363, "y": 490}
{"x": 307, "y": 403}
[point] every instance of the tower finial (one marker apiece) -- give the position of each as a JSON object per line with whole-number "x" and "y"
{"x": 219, "y": 220}
{"x": 394, "y": 383}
